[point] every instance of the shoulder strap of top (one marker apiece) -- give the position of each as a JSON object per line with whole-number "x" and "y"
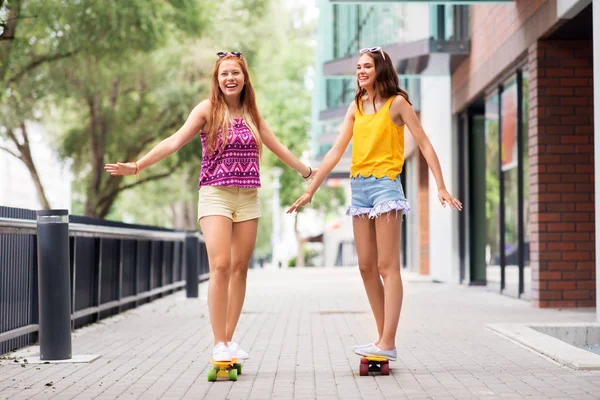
{"x": 388, "y": 103}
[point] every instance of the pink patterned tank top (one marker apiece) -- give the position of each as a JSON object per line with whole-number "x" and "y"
{"x": 236, "y": 165}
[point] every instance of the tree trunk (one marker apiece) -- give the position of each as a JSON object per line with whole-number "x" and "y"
{"x": 184, "y": 215}
{"x": 97, "y": 128}
{"x": 25, "y": 156}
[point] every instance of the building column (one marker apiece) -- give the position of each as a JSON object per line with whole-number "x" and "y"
{"x": 436, "y": 118}
{"x": 561, "y": 166}
{"x": 596, "y": 57}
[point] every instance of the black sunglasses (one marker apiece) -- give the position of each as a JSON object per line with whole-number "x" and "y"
{"x": 222, "y": 54}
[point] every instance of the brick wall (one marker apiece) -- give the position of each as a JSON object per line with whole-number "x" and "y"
{"x": 500, "y": 34}
{"x": 561, "y": 165}
{"x": 423, "y": 217}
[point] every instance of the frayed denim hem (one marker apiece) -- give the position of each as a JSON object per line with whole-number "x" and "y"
{"x": 401, "y": 206}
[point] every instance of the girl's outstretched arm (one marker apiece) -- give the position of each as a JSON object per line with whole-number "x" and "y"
{"x": 195, "y": 121}
{"x": 402, "y": 108}
{"x": 330, "y": 160}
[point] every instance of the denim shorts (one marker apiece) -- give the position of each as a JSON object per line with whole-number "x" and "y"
{"x": 375, "y": 196}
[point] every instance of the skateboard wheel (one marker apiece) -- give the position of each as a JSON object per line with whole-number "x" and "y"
{"x": 239, "y": 368}
{"x": 233, "y": 374}
{"x": 211, "y": 375}
{"x": 385, "y": 369}
{"x": 364, "y": 369}
{"x": 364, "y": 361}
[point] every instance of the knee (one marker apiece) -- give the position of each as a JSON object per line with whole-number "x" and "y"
{"x": 239, "y": 270}
{"x": 220, "y": 267}
{"x": 388, "y": 268}
{"x": 368, "y": 269}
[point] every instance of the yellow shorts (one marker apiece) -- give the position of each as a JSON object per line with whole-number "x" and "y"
{"x": 238, "y": 204}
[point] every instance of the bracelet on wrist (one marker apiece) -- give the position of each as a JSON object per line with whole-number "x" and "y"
{"x": 309, "y": 173}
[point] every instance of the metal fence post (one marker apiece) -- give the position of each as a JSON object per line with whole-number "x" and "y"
{"x": 54, "y": 286}
{"x": 191, "y": 265}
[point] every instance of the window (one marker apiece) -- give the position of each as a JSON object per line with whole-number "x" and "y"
{"x": 492, "y": 189}
{"x": 507, "y": 233}
{"x": 510, "y": 181}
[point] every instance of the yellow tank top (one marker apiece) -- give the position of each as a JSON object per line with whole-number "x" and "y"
{"x": 377, "y": 144}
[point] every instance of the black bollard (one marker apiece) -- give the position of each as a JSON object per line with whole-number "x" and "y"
{"x": 191, "y": 265}
{"x": 54, "y": 284}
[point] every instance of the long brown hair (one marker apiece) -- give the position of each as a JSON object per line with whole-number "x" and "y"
{"x": 386, "y": 80}
{"x": 219, "y": 114}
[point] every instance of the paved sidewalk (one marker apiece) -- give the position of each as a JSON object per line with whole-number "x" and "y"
{"x": 299, "y": 327}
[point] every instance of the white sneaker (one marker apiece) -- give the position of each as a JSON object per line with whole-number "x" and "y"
{"x": 221, "y": 352}
{"x": 360, "y": 346}
{"x": 236, "y": 351}
{"x": 373, "y": 350}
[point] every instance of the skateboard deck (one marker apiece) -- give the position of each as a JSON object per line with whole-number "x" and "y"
{"x": 374, "y": 364}
{"x": 224, "y": 369}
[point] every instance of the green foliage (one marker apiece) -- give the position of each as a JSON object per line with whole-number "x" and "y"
{"x": 95, "y": 63}
{"x": 122, "y": 110}
{"x": 328, "y": 199}
{"x": 49, "y": 30}
{"x": 111, "y": 79}
{"x": 285, "y": 101}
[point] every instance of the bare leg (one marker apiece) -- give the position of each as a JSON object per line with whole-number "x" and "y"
{"x": 366, "y": 248}
{"x": 388, "y": 228}
{"x": 217, "y": 232}
{"x": 242, "y": 246}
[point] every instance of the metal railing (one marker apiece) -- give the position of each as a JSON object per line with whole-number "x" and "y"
{"x": 114, "y": 267}
{"x": 346, "y": 254}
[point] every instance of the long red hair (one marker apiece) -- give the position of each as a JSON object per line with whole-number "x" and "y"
{"x": 220, "y": 119}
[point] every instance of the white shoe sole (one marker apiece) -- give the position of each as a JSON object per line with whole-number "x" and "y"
{"x": 365, "y": 354}
{"x": 222, "y": 358}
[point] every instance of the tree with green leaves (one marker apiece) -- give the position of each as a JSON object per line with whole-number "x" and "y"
{"x": 40, "y": 39}
{"x": 122, "y": 109}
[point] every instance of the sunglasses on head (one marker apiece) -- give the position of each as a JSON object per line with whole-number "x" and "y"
{"x": 222, "y": 54}
{"x": 372, "y": 50}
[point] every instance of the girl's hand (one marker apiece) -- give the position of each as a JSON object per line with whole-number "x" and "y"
{"x": 447, "y": 198}
{"x": 301, "y": 202}
{"x": 130, "y": 168}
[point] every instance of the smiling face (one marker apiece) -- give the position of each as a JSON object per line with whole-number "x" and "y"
{"x": 231, "y": 78}
{"x": 365, "y": 71}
